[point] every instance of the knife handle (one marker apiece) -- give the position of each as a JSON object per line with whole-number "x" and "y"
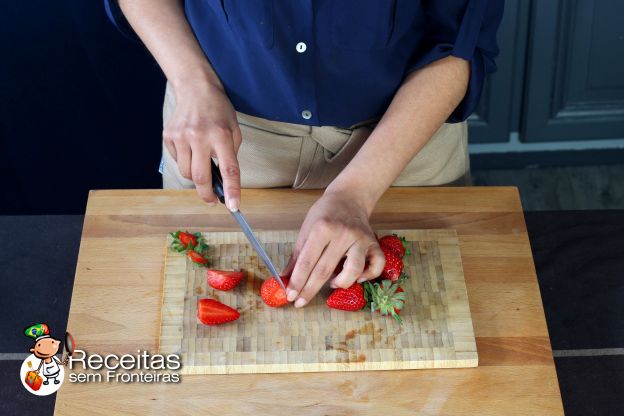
{"x": 217, "y": 182}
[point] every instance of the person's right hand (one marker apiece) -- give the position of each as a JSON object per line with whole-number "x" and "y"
{"x": 202, "y": 126}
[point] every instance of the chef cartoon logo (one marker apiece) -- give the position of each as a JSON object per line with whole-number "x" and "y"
{"x": 42, "y": 373}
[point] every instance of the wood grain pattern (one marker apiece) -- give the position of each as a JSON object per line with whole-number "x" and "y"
{"x": 117, "y": 296}
{"x": 436, "y": 332}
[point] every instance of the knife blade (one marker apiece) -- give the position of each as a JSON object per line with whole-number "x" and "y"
{"x": 217, "y": 186}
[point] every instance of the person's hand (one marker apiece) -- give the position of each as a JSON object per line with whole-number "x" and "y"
{"x": 335, "y": 226}
{"x": 204, "y": 125}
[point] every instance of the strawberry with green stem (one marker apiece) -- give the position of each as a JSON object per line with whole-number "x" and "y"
{"x": 193, "y": 244}
{"x": 386, "y": 298}
{"x": 184, "y": 240}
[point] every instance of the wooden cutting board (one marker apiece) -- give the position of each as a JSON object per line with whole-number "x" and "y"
{"x": 437, "y": 327}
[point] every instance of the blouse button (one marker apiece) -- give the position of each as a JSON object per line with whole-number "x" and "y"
{"x": 301, "y": 47}
{"x": 306, "y": 114}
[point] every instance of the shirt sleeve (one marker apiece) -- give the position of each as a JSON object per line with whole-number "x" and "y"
{"x": 465, "y": 29}
{"x": 116, "y": 16}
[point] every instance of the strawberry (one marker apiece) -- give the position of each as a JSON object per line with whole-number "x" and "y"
{"x": 350, "y": 299}
{"x": 395, "y": 243}
{"x": 192, "y": 244}
{"x": 394, "y": 265}
{"x": 399, "y": 290}
{"x": 272, "y": 293}
{"x": 183, "y": 240}
{"x": 197, "y": 258}
{"x": 224, "y": 279}
{"x": 386, "y": 298}
{"x": 212, "y": 312}
{"x": 187, "y": 238}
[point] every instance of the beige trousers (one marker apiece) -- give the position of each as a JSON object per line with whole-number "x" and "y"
{"x": 275, "y": 154}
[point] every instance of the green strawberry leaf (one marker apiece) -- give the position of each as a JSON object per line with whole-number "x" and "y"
{"x": 408, "y": 252}
{"x": 397, "y": 317}
{"x": 404, "y": 276}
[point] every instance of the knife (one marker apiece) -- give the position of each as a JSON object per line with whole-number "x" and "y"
{"x": 217, "y": 186}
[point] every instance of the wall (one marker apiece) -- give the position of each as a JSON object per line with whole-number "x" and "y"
{"x": 559, "y": 84}
{"x": 79, "y": 109}
{"x": 80, "y": 105}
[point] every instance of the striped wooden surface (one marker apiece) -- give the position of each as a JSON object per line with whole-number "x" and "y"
{"x": 436, "y": 332}
{"x": 117, "y": 297}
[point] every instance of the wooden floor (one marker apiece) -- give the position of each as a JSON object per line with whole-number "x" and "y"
{"x": 562, "y": 188}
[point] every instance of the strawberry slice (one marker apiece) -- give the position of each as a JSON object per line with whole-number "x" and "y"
{"x": 224, "y": 279}
{"x": 197, "y": 258}
{"x": 350, "y": 299}
{"x": 272, "y": 293}
{"x": 212, "y": 312}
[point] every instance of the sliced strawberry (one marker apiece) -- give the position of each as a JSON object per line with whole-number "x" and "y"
{"x": 187, "y": 238}
{"x": 212, "y": 312}
{"x": 183, "y": 241}
{"x": 197, "y": 258}
{"x": 394, "y": 265}
{"x": 350, "y": 299}
{"x": 395, "y": 243}
{"x": 224, "y": 279}
{"x": 272, "y": 293}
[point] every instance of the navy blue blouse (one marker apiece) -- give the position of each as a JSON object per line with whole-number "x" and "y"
{"x": 335, "y": 62}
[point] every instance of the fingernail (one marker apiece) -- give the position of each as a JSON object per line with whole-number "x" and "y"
{"x": 211, "y": 204}
{"x": 300, "y": 303}
{"x": 332, "y": 284}
{"x": 361, "y": 280}
{"x": 291, "y": 295}
{"x": 233, "y": 204}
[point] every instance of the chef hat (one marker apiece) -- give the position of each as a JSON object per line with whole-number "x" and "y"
{"x": 38, "y": 332}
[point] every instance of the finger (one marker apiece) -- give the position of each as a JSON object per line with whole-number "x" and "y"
{"x": 352, "y": 268}
{"x": 320, "y": 274}
{"x": 230, "y": 172}
{"x": 237, "y": 138}
{"x": 168, "y": 140}
{"x": 183, "y": 153}
{"x": 289, "y": 266}
{"x": 200, "y": 170}
{"x": 292, "y": 262}
{"x": 376, "y": 262}
{"x": 305, "y": 263}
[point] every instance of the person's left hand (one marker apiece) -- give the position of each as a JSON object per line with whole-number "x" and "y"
{"x": 335, "y": 226}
